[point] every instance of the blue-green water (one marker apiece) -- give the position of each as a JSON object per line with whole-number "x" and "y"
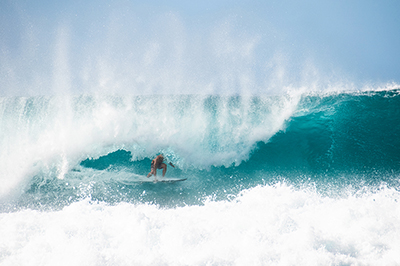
{"x": 265, "y": 168}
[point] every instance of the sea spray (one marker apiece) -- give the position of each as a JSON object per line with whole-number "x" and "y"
{"x": 53, "y": 134}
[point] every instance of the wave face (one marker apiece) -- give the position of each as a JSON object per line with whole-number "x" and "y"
{"x": 259, "y": 169}
{"x": 340, "y": 133}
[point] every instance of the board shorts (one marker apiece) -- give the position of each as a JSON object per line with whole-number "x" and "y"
{"x": 153, "y": 166}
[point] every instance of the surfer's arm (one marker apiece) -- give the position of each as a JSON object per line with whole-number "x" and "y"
{"x": 167, "y": 161}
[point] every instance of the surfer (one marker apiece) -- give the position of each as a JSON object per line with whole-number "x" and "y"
{"x": 157, "y": 163}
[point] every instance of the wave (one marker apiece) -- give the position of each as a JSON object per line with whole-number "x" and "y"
{"x": 335, "y": 133}
{"x": 51, "y": 135}
{"x": 340, "y": 132}
{"x": 254, "y": 138}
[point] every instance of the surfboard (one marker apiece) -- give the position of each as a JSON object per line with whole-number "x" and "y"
{"x": 150, "y": 180}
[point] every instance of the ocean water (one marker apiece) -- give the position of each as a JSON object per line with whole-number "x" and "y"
{"x": 301, "y": 178}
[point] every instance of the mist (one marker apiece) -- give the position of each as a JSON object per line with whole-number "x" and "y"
{"x": 227, "y": 47}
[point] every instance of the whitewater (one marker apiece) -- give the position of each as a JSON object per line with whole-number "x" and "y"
{"x": 298, "y": 178}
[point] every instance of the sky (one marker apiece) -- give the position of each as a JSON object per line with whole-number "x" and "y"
{"x": 147, "y": 47}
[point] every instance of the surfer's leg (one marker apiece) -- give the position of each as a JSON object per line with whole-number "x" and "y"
{"x": 155, "y": 174}
{"x": 164, "y": 167}
{"x": 153, "y": 170}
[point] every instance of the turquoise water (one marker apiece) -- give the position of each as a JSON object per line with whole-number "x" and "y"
{"x": 320, "y": 169}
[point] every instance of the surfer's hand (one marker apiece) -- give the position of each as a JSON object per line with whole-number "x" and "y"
{"x": 172, "y": 165}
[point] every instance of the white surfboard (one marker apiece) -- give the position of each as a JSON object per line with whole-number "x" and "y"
{"x": 144, "y": 179}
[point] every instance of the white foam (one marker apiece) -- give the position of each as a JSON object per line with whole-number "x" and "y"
{"x": 266, "y": 225}
{"x": 53, "y": 134}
